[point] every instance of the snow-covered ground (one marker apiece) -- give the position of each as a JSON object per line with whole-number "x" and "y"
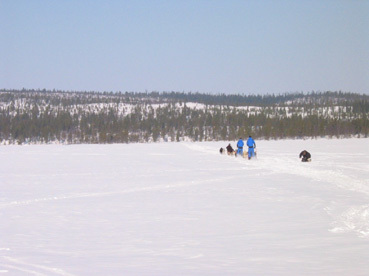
{"x": 184, "y": 209}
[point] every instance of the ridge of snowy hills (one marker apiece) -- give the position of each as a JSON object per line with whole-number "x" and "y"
{"x": 86, "y": 117}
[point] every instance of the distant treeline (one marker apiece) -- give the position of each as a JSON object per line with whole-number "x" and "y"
{"x": 320, "y": 98}
{"x": 40, "y": 116}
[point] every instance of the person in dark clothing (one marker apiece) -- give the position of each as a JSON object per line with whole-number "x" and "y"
{"x": 305, "y": 155}
{"x": 230, "y": 150}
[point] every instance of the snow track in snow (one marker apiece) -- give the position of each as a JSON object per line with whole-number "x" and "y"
{"x": 106, "y": 194}
{"x": 325, "y": 168}
{"x": 354, "y": 219}
{"x": 31, "y": 269}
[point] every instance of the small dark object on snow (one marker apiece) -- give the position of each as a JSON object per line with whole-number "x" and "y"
{"x": 230, "y": 150}
{"x": 306, "y": 156}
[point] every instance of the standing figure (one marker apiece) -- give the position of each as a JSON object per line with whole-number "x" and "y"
{"x": 240, "y": 145}
{"x": 251, "y": 144}
{"x": 306, "y": 156}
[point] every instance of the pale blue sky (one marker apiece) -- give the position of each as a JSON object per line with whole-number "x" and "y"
{"x": 210, "y": 46}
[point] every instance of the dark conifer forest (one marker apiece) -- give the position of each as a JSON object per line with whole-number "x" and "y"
{"x": 41, "y": 116}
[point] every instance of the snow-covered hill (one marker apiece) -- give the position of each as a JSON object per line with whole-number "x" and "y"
{"x": 34, "y": 117}
{"x": 184, "y": 209}
{"x": 78, "y": 103}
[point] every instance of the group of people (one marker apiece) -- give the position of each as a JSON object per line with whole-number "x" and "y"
{"x": 240, "y": 144}
{"x": 305, "y": 156}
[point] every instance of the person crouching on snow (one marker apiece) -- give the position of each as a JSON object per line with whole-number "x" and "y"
{"x": 306, "y": 156}
{"x": 230, "y": 150}
{"x": 240, "y": 145}
{"x": 251, "y": 144}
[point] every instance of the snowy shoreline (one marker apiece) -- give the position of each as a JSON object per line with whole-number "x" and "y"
{"x": 183, "y": 140}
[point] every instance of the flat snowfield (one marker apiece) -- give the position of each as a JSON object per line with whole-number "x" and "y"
{"x": 185, "y": 209}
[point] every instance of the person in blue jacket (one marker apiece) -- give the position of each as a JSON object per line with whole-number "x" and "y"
{"x": 251, "y": 144}
{"x": 240, "y": 145}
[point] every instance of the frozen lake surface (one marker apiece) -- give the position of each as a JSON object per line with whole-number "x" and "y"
{"x": 184, "y": 209}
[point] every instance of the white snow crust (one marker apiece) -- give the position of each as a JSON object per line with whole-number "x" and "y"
{"x": 184, "y": 209}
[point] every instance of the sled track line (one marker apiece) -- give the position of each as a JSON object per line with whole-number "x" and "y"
{"x": 113, "y": 193}
{"x": 317, "y": 172}
{"x": 33, "y": 269}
